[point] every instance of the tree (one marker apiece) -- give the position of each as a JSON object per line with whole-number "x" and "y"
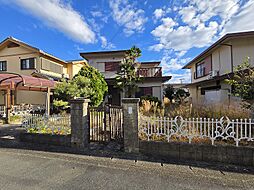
{"x": 179, "y": 95}
{"x": 242, "y": 82}
{"x": 127, "y": 78}
{"x": 88, "y": 83}
{"x": 97, "y": 84}
{"x": 169, "y": 92}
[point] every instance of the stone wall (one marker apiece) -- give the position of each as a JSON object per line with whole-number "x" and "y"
{"x": 243, "y": 156}
{"x": 58, "y": 140}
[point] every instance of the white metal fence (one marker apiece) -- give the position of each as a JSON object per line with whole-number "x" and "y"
{"x": 53, "y": 124}
{"x": 23, "y": 109}
{"x": 2, "y": 111}
{"x": 166, "y": 129}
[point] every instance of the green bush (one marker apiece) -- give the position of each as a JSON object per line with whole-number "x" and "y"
{"x": 88, "y": 83}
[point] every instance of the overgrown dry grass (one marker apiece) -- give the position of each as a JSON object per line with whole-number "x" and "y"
{"x": 187, "y": 111}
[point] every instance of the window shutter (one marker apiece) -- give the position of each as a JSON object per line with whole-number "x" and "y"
{"x": 112, "y": 66}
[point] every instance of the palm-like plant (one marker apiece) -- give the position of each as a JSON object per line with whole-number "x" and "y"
{"x": 127, "y": 77}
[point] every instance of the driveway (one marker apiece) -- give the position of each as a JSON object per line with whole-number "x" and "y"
{"x": 10, "y": 131}
{"x": 27, "y": 169}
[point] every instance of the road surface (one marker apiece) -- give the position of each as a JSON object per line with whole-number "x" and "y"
{"x": 26, "y": 169}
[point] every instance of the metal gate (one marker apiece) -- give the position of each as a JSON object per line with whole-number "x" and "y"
{"x": 106, "y": 123}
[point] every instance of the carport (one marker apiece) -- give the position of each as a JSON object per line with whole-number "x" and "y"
{"x": 11, "y": 82}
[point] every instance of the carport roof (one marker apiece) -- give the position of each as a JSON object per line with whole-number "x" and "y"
{"x": 23, "y": 82}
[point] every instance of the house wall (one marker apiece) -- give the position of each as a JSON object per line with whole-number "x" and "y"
{"x": 99, "y": 63}
{"x": 51, "y": 68}
{"x": 242, "y": 48}
{"x": 2, "y": 98}
{"x": 157, "y": 88}
{"x": 75, "y": 68}
{"x": 13, "y": 57}
{"x": 33, "y": 97}
{"x": 221, "y": 60}
{"x": 26, "y": 97}
{"x": 214, "y": 97}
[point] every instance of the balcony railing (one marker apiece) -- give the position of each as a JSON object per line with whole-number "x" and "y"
{"x": 150, "y": 72}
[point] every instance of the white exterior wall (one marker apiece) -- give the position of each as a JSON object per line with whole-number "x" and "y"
{"x": 221, "y": 60}
{"x": 99, "y": 63}
{"x": 156, "y": 86}
{"x": 243, "y": 48}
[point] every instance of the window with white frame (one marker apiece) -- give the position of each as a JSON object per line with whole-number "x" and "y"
{"x": 27, "y": 63}
{"x": 3, "y": 65}
{"x": 200, "y": 70}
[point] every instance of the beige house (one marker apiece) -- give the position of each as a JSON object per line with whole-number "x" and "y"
{"x": 210, "y": 69}
{"x": 21, "y": 58}
{"x": 108, "y": 63}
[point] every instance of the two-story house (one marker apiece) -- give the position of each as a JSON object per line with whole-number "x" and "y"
{"x": 210, "y": 69}
{"x": 108, "y": 63}
{"x": 21, "y": 58}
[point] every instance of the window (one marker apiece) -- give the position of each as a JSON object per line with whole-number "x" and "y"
{"x": 112, "y": 66}
{"x": 200, "y": 70}
{"x": 3, "y": 65}
{"x": 27, "y": 63}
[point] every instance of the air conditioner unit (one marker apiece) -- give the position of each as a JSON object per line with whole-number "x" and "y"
{"x": 213, "y": 74}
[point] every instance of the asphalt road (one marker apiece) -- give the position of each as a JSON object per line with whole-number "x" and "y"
{"x": 26, "y": 169}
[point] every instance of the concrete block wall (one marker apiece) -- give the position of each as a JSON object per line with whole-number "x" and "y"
{"x": 243, "y": 156}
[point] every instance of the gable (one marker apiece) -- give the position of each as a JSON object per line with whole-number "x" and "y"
{"x": 12, "y": 48}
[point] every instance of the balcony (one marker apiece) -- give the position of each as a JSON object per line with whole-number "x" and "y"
{"x": 150, "y": 72}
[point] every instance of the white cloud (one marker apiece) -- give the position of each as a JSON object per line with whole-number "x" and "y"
{"x": 172, "y": 62}
{"x": 127, "y": 15}
{"x": 243, "y": 21}
{"x": 198, "y": 23}
{"x": 177, "y": 78}
{"x": 78, "y": 48}
{"x": 158, "y": 13}
{"x": 61, "y": 16}
{"x": 105, "y": 44}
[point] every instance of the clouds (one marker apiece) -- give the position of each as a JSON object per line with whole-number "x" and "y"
{"x": 61, "y": 16}
{"x": 158, "y": 13}
{"x": 105, "y": 44}
{"x": 243, "y": 21}
{"x": 197, "y": 24}
{"x": 128, "y": 16}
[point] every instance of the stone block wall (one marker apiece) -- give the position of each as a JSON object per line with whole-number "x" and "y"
{"x": 243, "y": 156}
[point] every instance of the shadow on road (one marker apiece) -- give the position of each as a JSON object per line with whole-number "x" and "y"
{"x": 9, "y": 138}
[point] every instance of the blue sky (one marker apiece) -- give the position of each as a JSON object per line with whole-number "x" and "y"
{"x": 168, "y": 30}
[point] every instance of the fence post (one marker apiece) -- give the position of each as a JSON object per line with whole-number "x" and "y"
{"x": 79, "y": 123}
{"x": 130, "y": 124}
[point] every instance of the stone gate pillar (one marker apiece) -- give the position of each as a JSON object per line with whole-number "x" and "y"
{"x": 79, "y": 123}
{"x": 130, "y": 124}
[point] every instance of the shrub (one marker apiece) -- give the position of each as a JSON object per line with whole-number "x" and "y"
{"x": 88, "y": 83}
{"x": 151, "y": 99}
